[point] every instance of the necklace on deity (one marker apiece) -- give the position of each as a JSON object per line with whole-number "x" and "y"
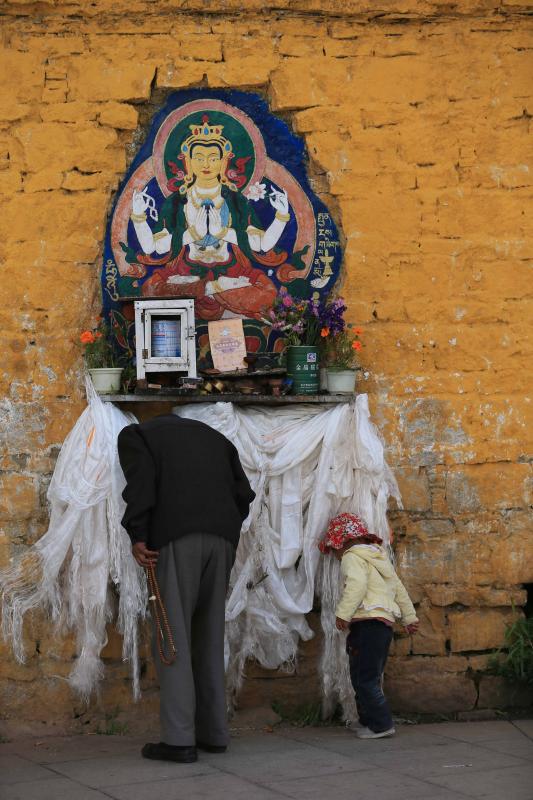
{"x": 214, "y": 195}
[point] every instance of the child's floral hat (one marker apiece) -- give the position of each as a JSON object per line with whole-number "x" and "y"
{"x": 345, "y": 528}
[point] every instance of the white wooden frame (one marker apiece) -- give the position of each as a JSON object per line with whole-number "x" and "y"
{"x": 145, "y": 311}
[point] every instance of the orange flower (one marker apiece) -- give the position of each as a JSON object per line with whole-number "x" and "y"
{"x": 98, "y": 335}
{"x": 358, "y": 331}
{"x": 324, "y": 332}
{"x": 356, "y": 345}
{"x": 87, "y": 337}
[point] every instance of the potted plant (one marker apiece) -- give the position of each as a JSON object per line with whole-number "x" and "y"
{"x": 299, "y": 323}
{"x": 332, "y": 323}
{"x": 100, "y": 359}
{"x": 339, "y": 354}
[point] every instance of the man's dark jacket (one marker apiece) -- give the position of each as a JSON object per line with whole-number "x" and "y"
{"x": 182, "y": 477}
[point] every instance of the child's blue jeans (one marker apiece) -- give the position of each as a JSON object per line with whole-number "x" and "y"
{"x": 367, "y": 646}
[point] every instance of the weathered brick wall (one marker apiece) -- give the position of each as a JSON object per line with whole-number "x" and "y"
{"x": 416, "y": 117}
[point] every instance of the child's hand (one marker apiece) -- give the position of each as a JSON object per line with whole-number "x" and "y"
{"x": 341, "y": 624}
{"x": 412, "y": 627}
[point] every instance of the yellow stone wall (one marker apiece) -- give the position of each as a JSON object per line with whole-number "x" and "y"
{"x": 416, "y": 115}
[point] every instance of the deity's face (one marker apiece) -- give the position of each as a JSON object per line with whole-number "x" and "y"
{"x": 206, "y": 163}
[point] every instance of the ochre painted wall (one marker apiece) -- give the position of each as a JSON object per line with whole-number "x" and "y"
{"x": 416, "y": 117}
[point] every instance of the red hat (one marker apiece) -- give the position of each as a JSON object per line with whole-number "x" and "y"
{"x": 345, "y": 528}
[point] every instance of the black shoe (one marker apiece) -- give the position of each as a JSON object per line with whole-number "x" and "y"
{"x": 170, "y": 752}
{"x": 211, "y": 748}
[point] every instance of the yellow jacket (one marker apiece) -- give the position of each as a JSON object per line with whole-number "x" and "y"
{"x": 372, "y": 588}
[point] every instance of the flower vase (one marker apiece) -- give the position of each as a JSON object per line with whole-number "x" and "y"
{"x": 341, "y": 381}
{"x": 106, "y": 380}
{"x": 302, "y": 368}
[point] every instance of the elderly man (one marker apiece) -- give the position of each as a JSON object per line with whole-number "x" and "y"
{"x": 186, "y": 498}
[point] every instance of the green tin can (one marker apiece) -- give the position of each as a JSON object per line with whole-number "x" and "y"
{"x": 302, "y": 367}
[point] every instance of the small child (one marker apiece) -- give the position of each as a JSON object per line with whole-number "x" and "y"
{"x": 373, "y": 598}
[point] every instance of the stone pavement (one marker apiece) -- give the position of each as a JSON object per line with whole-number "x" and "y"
{"x": 446, "y": 761}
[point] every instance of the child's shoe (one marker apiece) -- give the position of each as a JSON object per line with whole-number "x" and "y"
{"x": 366, "y": 733}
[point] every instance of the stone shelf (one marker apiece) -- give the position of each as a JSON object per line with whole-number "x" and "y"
{"x": 239, "y": 399}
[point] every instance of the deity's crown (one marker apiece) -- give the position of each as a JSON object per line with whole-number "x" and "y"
{"x": 206, "y": 134}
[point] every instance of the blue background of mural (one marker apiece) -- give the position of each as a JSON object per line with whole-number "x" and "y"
{"x": 282, "y": 146}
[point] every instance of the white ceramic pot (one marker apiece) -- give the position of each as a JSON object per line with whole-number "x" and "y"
{"x": 341, "y": 381}
{"x": 106, "y": 380}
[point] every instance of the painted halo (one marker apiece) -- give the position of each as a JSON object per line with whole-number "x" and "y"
{"x": 263, "y": 167}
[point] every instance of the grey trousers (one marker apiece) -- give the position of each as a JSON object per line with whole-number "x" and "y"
{"x": 193, "y": 575}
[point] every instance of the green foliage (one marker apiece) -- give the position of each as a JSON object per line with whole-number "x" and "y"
{"x": 307, "y": 714}
{"x": 129, "y": 377}
{"x": 301, "y": 716}
{"x": 112, "y": 726}
{"x": 340, "y": 351}
{"x": 97, "y": 347}
{"x": 515, "y": 661}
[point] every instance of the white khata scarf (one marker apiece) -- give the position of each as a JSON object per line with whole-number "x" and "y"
{"x": 305, "y": 463}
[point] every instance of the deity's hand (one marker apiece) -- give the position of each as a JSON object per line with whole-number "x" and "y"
{"x": 226, "y": 283}
{"x": 200, "y": 223}
{"x": 279, "y": 200}
{"x": 215, "y": 221}
{"x": 140, "y": 201}
{"x": 183, "y": 279}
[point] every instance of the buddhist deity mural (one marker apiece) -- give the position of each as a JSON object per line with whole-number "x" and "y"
{"x": 216, "y": 206}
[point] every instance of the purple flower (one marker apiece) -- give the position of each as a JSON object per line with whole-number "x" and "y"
{"x": 303, "y": 319}
{"x": 331, "y": 316}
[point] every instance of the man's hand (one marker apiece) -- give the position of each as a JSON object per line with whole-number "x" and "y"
{"x": 412, "y": 627}
{"x": 143, "y": 556}
{"x": 341, "y": 624}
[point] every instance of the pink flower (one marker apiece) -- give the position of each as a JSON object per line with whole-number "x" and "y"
{"x": 287, "y": 301}
{"x": 255, "y": 192}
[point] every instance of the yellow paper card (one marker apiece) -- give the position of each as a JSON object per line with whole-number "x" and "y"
{"x": 228, "y": 348}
